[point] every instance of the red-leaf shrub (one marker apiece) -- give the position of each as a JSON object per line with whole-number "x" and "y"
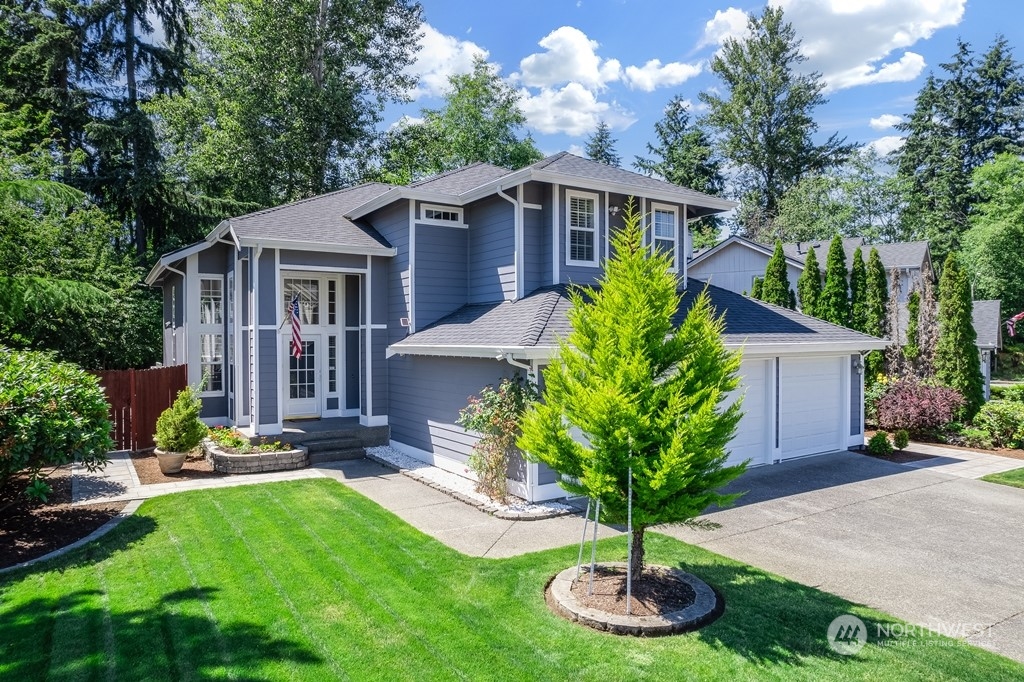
{"x": 917, "y": 407}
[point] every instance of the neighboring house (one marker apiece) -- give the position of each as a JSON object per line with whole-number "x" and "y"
{"x": 734, "y": 262}
{"x": 413, "y": 298}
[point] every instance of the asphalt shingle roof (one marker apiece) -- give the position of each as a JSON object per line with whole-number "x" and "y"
{"x": 462, "y": 180}
{"x": 899, "y": 255}
{"x": 988, "y": 323}
{"x": 541, "y": 318}
{"x": 318, "y": 220}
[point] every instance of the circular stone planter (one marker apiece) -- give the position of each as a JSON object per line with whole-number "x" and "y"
{"x": 170, "y": 462}
{"x": 707, "y": 607}
{"x": 254, "y": 462}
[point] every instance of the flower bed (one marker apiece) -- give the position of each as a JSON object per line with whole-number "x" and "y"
{"x": 230, "y": 452}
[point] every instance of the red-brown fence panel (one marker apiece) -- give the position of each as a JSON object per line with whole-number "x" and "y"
{"x": 137, "y": 397}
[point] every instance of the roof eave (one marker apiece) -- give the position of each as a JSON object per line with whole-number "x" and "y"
{"x": 297, "y": 245}
{"x": 164, "y": 262}
{"x": 397, "y": 193}
{"x": 492, "y": 351}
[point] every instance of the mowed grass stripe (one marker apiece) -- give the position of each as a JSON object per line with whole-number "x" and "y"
{"x": 77, "y": 632}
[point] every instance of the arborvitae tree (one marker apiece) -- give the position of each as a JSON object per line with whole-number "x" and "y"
{"x": 775, "y": 286}
{"x": 755, "y": 288}
{"x": 957, "y": 362}
{"x": 601, "y": 146}
{"x": 834, "y": 304}
{"x": 927, "y": 325}
{"x": 685, "y": 156}
{"x": 877, "y": 295}
{"x": 645, "y": 394}
{"x": 792, "y": 300}
{"x": 858, "y": 293}
{"x": 809, "y": 285}
{"x": 911, "y": 350}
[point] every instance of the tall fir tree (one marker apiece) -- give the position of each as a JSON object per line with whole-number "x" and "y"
{"x": 809, "y": 285}
{"x": 957, "y": 362}
{"x": 834, "y": 304}
{"x": 600, "y": 146}
{"x": 648, "y": 396}
{"x": 874, "y": 317}
{"x": 775, "y": 286}
{"x": 858, "y": 292}
{"x": 685, "y": 155}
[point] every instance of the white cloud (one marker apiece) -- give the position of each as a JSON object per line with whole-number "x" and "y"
{"x": 884, "y": 145}
{"x": 885, "y": 121}
{"x": 572, "y": 109}
{"x": 847, "y": 40}
{"x": 576, "y": 149}
{"x": 406, "y": 120}
{"x": 654, "y": 74}
{"x": 729, "y": 23}
{"x": 441, "y": 56}
{"x": 570, "y": 57}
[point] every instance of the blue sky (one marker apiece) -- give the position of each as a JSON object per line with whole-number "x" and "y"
{"x": 577, "y": 61}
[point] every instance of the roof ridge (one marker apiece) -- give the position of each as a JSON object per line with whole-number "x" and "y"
{"x": 548, "y": 160}
{"x": 532, "y": 334}
{"x": 451, "y": 171}
{"x": 343, "y": 190}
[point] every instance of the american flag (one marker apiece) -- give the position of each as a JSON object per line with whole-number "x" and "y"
{"x": 296, "y": 328}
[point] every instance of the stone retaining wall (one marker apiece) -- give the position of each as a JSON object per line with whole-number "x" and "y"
{"x": 254, "y": 462}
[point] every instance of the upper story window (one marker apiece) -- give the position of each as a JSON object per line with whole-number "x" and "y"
{"x": 441, "y": 215}
{"x": 581, "y": 228}
{"x": 666, "y": 231}
{"x": 211, "y": 333}
{"x": 211, "y": 300}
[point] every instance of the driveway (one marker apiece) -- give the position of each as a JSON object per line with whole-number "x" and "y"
{"x": 935, "y": 549}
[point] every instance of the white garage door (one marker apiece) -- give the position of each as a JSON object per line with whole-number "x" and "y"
{"x": 752, "y": 435}
{"x": 810, "y": 405}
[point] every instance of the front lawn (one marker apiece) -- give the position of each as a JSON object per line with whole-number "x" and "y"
{"x": 309, "y": 580}
{"x": 1014, "y": 477}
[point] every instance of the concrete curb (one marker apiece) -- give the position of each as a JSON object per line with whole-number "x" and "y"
{"x": 110, "y": 525}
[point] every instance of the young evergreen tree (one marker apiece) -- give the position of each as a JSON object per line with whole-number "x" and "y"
{"x": 877, "y": 295}
{"x": 834, "y": 304}
{"x": 957, "y": 363}
{"x": 775, "y": 286}
{"x": 858, "y": 292}
{"x": 809, "y": 285}
{"x": 645, "y": 394}
{"x": 755, "y": 288}
{"x": 601, "y": 146}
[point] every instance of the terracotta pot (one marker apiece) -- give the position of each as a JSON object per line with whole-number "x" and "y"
{"x": 170, "y": 462}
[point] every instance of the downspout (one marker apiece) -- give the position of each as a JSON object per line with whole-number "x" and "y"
{"x": 507, "y": 357}
{"x": 517, "y": 211}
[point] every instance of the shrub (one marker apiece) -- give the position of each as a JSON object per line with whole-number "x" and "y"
{"x": 1013, "y": 392}
{"x": 237, "y": 443}
{"x": 879, "y": 444}
{"x": 918, "y": 407}
{"x": 901, "y": 439}
{"x": 975, "y": 438}
{"x": 1003, "y": 422}
{"x": 872, "y": 394}
{"x": 179, "y": 429}
{"x": 51, "y": 413}
{"x": 496, "y": 414}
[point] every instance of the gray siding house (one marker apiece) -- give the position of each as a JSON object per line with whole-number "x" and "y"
{"x": 413, "y": 298}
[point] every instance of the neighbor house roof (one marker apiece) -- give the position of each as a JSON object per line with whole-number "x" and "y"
{"x": 901, "y": 255}
{"x": 530, "y": 327}
{"x": 988, "y": 324}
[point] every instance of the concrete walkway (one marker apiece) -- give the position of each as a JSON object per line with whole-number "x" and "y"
{"x": 962, "y": 463}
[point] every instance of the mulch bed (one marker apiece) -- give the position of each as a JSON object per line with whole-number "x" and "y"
{"x": 655, "y": 593}
{"x": 899, "y": 457}
{"x": 30, "y": 529}
{"x": 195, "y": 468}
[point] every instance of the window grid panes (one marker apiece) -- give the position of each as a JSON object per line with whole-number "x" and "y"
{"x": 302, "y": 373}
{"x": 211, "y": 301}
{"x": 582, "y": 219}
{"x": 332, "y": 364}
{"x": 211, "y": 361}
{"x": 309, "y": 299}
{"x": 447, "y": 216}
{"x": 332, "y": 301}
{"x": 665, "y": 233}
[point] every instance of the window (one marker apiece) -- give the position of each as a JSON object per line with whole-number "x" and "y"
{"x": 581, "y": 228}
{"x": 308, "y": 291}
{"x": 211, "y": 334}
{"x": 441, "y": 215}
{"x": 666, "y": 231}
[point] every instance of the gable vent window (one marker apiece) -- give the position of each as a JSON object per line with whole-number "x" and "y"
{"x": 443, "y": 215}
{"x": 581, "y": 222}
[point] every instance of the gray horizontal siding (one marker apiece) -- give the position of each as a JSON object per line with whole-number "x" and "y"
{"x": 268, "y": 288}
{"x": 442, "y": 254}
{"x": 321, "y": 259}
{"x": 267, "y": 363}
{"x": 213, "y": 259}
{"x": 380, "y": 372}
{"x": 393, "y": 224}
{"x": 427, "y": 395}
{"x": 536, "y": 250}
{"x": 379, "y": 290}
{"x": 491, "y": 250}
{"x": 215, "y": 408}
{"x": 856, "y": 401}
{"x": 243, "y": 367}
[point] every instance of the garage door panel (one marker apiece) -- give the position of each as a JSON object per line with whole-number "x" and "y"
{"x": 810, "y": 405}
{"x": 751, "y": 439}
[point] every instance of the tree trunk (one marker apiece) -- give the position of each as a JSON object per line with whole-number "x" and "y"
{"x": 130, "y": 66}
{"x": 637, "y": 560}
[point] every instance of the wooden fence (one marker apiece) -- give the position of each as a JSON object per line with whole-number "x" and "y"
{"x": 137, "y": 397}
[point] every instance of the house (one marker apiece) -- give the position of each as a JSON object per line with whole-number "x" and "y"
{"x": 413, "y": 298}
{"x": 734, "y": 262}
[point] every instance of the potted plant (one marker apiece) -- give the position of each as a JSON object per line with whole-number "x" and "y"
{"x": 179, "y": 431}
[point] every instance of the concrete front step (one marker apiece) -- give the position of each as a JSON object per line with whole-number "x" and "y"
{"x": 331, "y": 444}
{"x": 367, "y": 436}
{"x": 336, "y": 455}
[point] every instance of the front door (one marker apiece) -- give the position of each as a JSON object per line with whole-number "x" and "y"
{"x": 303, "y": 387}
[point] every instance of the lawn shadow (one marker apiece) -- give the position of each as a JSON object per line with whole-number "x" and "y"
{"x": 159, "y": 642}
